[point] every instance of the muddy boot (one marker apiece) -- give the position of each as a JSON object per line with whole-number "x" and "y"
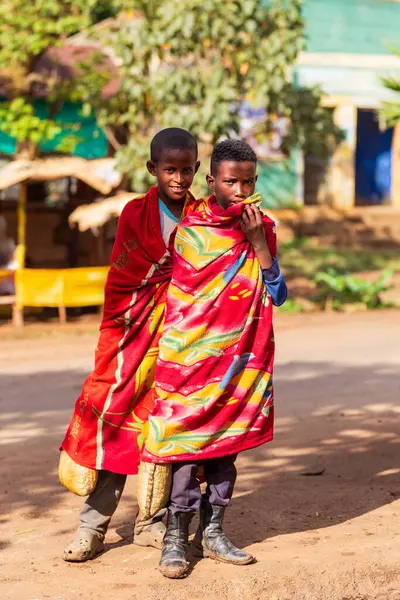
{"x": 174, "y": 563}
{"x": 85, "y": 546}
{"x": 150, "y": 532}
{"x": 210, "y": 540}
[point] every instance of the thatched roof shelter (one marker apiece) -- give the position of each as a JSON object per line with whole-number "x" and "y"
{"x": 99, "y": 174}
{"x": 93, "y": 216}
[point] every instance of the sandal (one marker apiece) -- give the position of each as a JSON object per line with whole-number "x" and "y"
{"x": 84, "y": 547}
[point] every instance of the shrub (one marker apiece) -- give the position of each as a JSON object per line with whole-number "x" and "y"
{"x": 337, "y": 290}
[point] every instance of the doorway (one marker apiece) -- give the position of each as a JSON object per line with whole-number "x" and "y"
{"x": 373, "y": 160}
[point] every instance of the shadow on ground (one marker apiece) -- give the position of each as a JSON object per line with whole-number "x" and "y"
{"x": 336, "y": 453}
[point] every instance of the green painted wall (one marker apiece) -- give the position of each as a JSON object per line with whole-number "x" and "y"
{"x": 93, "y": 142}
{"x": 277, "y": 182}
{"x": 352, "y": 26}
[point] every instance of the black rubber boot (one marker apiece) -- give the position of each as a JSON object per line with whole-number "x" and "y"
{"x": 211, "y": 541}
{"x": 174, "y": 563}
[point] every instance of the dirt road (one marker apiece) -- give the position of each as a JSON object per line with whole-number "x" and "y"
{"x": 332, "y": 536}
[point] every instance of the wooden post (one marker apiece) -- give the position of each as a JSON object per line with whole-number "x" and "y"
{"x": 342, "y": 169}
{"x": 17, "y": 315}
{"x": 22, "y": 222}
{"x": 18, "y": 308}
{"x": 299, "y": 162}
{"x": 396, "y": 167}
{"x": 62, "y": 314}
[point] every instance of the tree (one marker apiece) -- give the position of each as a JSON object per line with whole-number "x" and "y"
{"x": 192, "y": 65}
{"x": 28, "y": 29}
{"x": 390, "y": 111}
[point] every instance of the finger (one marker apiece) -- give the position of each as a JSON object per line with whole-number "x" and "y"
{"x": 258, "y": 216}
{"x": 246, "y": 215}
{"x": 247, "y": 210}
{"x": 244, "y": 222}
{"x": 252, "y": 217}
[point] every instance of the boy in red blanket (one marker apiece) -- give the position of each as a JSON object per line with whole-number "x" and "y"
{"x": 213, "y": 381}
{"x": 112, "y": 408}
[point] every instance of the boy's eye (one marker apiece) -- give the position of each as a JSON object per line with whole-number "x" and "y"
{"x": 188, "y": 170}
{"x": 170, "y": 169}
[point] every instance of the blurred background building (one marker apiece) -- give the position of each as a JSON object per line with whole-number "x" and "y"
{"x": 349, "y": 48}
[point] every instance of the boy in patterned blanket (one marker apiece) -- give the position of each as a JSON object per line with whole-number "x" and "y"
{"x": 213, "y": 380}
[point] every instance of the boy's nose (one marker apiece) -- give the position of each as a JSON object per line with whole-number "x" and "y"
{"x": 178, "y": 178}
{"x": 239, "y": 191}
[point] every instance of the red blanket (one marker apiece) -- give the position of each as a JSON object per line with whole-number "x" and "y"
{"x": 110, "y": 412}
{"x": 213, "y": 380}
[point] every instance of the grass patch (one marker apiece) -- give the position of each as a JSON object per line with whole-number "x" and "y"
{"x": 300, "y": 258}
{"x": 291, "y": 306}
{"x": 337, "y": 291}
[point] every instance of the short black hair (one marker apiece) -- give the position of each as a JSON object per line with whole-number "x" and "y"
{"x": 172, "y": 138}
{"x": 232, "y": 150}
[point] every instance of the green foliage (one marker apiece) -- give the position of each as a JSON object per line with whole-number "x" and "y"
{"x": 188, "y": 68}
{"x": 311, "y": 125}
{"x": 337, "y": 290}
{"x": 300, "y": 259}
{"x": 27, "y": 30}
{"x": 291, "y": 306}
{"x": 104, "y": 9}
{"x": 19, "y": 121}
{"x": 193, "y": 68}
{"x": 390, "y": 111}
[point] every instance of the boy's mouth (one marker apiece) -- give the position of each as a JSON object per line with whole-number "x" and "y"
{"x": 177, "y": 188}
{"x": 235, "y": 201}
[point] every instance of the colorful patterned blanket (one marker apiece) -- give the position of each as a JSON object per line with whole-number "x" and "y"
{"x": 114, "y": 404}
{"x": 213, "y": 381}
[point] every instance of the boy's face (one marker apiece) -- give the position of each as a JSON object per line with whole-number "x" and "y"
{"x": 232, "y": 182}
{"x": 175, "y": 171}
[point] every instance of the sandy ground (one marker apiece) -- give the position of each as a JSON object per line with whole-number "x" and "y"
{"x": 334, "y": 535}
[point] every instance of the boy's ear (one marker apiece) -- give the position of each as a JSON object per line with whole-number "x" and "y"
{"x": 151, "y": 167}
{"x": 197, "y": 167}
{"x": 210, "y": 182}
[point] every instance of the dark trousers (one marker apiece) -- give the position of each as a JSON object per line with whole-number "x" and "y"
{"x": 220, "y": 475}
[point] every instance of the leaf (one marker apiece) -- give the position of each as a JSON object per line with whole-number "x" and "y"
{"x": 345, "y": 289}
